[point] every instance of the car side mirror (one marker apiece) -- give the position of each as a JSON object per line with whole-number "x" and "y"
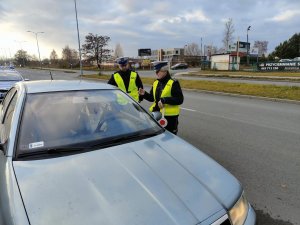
{"x": 156, "y": 115}
{"x": 2, "y": 147}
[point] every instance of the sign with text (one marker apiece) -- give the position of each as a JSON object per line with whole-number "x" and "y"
{"x": 271, "y": 66}
{"x": 144, "y": 52}
{"x": 242, "y": 47}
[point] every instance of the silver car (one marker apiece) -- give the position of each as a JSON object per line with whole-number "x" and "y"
{"x": 8, "y": 78}
{"x": 77, "y": 152}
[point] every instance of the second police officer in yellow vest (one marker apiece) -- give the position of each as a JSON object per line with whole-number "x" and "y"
{"x": 126, "y": 79}
{"x": 166, "y": 94}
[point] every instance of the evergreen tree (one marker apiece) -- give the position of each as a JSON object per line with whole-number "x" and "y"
{"x": 288, "y": 49}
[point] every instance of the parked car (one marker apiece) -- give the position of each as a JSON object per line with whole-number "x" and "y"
{"x": 79, "y": 152}
{"x": 285, "y": 60}
{"x": 296, "y": 59}
{"x": 179, "y": 66}
{"x": 8, "y": 78}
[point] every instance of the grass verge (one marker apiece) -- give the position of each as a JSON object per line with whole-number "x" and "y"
{"x": 217, "y": 73}
{"x": 270, "y": 91}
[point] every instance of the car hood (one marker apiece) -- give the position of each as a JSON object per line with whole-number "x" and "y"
{"x": 159, "y": 180}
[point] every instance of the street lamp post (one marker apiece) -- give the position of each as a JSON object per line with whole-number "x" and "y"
{"x": 79, "y": 48}
{"x": 37, "y": 43}
{"x": 248, "y": 46}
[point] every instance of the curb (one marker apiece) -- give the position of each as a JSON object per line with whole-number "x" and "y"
{"x": 242, "y": 77}
{"x": 245, "y": 96}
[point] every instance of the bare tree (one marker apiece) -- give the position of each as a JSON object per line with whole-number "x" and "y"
{"x": 210, "y": 50}
{"x": 94, "y": 48}
{"x": 66, "y": 53}
{"x": 262, "y": 47}
{"x": 228, "y": 33}
{"x": 192, "y": 49}
{"x": 70, "y": 56}
{"x": 118, "y": 51}
{"x": 53, "y": 57}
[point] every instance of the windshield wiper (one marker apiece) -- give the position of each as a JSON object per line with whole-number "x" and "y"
{"x": 122, "y": 139}
{"x": 53, "y": 151}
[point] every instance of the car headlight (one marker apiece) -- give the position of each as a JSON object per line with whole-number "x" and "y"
{"x": 238, "y": 213}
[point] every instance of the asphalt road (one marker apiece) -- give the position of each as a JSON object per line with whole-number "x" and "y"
{"x": 256, "y": 140}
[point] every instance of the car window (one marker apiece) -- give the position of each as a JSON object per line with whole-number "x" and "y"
{"x": 6, "y": 101}
{"x": 8, "y": 116}
{"x": 52, "y": 120}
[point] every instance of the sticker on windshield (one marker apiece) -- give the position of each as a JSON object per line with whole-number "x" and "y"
{"x": 36, "y": 145}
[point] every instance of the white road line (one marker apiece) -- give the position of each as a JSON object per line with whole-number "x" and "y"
{"x": 250, "y": 122}
{"x": 192, "y": 110}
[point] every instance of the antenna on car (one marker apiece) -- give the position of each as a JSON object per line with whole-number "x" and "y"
{"x": 50, "y": 74}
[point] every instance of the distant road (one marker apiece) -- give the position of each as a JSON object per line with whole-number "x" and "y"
{"x": 34, "y": 74}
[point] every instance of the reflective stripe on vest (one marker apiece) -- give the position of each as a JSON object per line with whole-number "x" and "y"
{"x": 170, "y": 110}
{"x": 132, "y": 88}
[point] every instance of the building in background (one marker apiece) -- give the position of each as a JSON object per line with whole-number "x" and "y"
{"x": 231, "y": 59}
{"x": 172, "y": 55}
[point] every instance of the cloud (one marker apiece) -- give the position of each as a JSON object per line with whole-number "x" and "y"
{"x": 186, "y": 17}
{"x": 135, "y": 23}
{"x": 286, "y": 16}
{"x": 197, "y": 16}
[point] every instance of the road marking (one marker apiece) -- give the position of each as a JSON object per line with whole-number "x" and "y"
{"x": 249, "y": 121}
{"x": 192, "y": 110}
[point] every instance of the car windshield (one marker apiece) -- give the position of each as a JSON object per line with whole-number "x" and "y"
{"x": 76, "y": 120}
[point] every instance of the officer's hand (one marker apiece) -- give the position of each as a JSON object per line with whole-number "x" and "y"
{"x": 160, "y": 104}
{"x": 141, "y": 91}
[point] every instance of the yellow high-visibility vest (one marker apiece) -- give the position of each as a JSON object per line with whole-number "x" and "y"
{"x": 170, "y": 110}
{"x": 132, "y": 88}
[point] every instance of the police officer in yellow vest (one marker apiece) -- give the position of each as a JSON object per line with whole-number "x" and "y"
{"x": 126, "y": 79}
{"x": 166, "y": 94}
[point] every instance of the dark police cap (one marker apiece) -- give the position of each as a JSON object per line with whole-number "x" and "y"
{"x": 122, "y": 60}
{"x": 159, "y": 65}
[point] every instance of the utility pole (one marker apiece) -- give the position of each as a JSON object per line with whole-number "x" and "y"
{"x": 248, "y": 46}
{"x": 201, "y": 48}
{"x": 237, "y": 54}
{"x": 79, "y": 48}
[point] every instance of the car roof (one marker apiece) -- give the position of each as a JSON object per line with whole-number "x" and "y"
{"x": 63, "y": 85}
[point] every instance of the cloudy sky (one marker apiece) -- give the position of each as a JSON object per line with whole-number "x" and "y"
{"x": 142, "y": 24}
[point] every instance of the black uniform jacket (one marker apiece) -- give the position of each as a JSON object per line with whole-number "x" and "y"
{"x": 126, "y": 78}
{"x": 176, "y": 93}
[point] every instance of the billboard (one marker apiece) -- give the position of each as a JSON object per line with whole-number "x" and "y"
{"x": 269, "y": 66}
{"x": 144, "y": 52}
{"x": 242, "y": 47}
